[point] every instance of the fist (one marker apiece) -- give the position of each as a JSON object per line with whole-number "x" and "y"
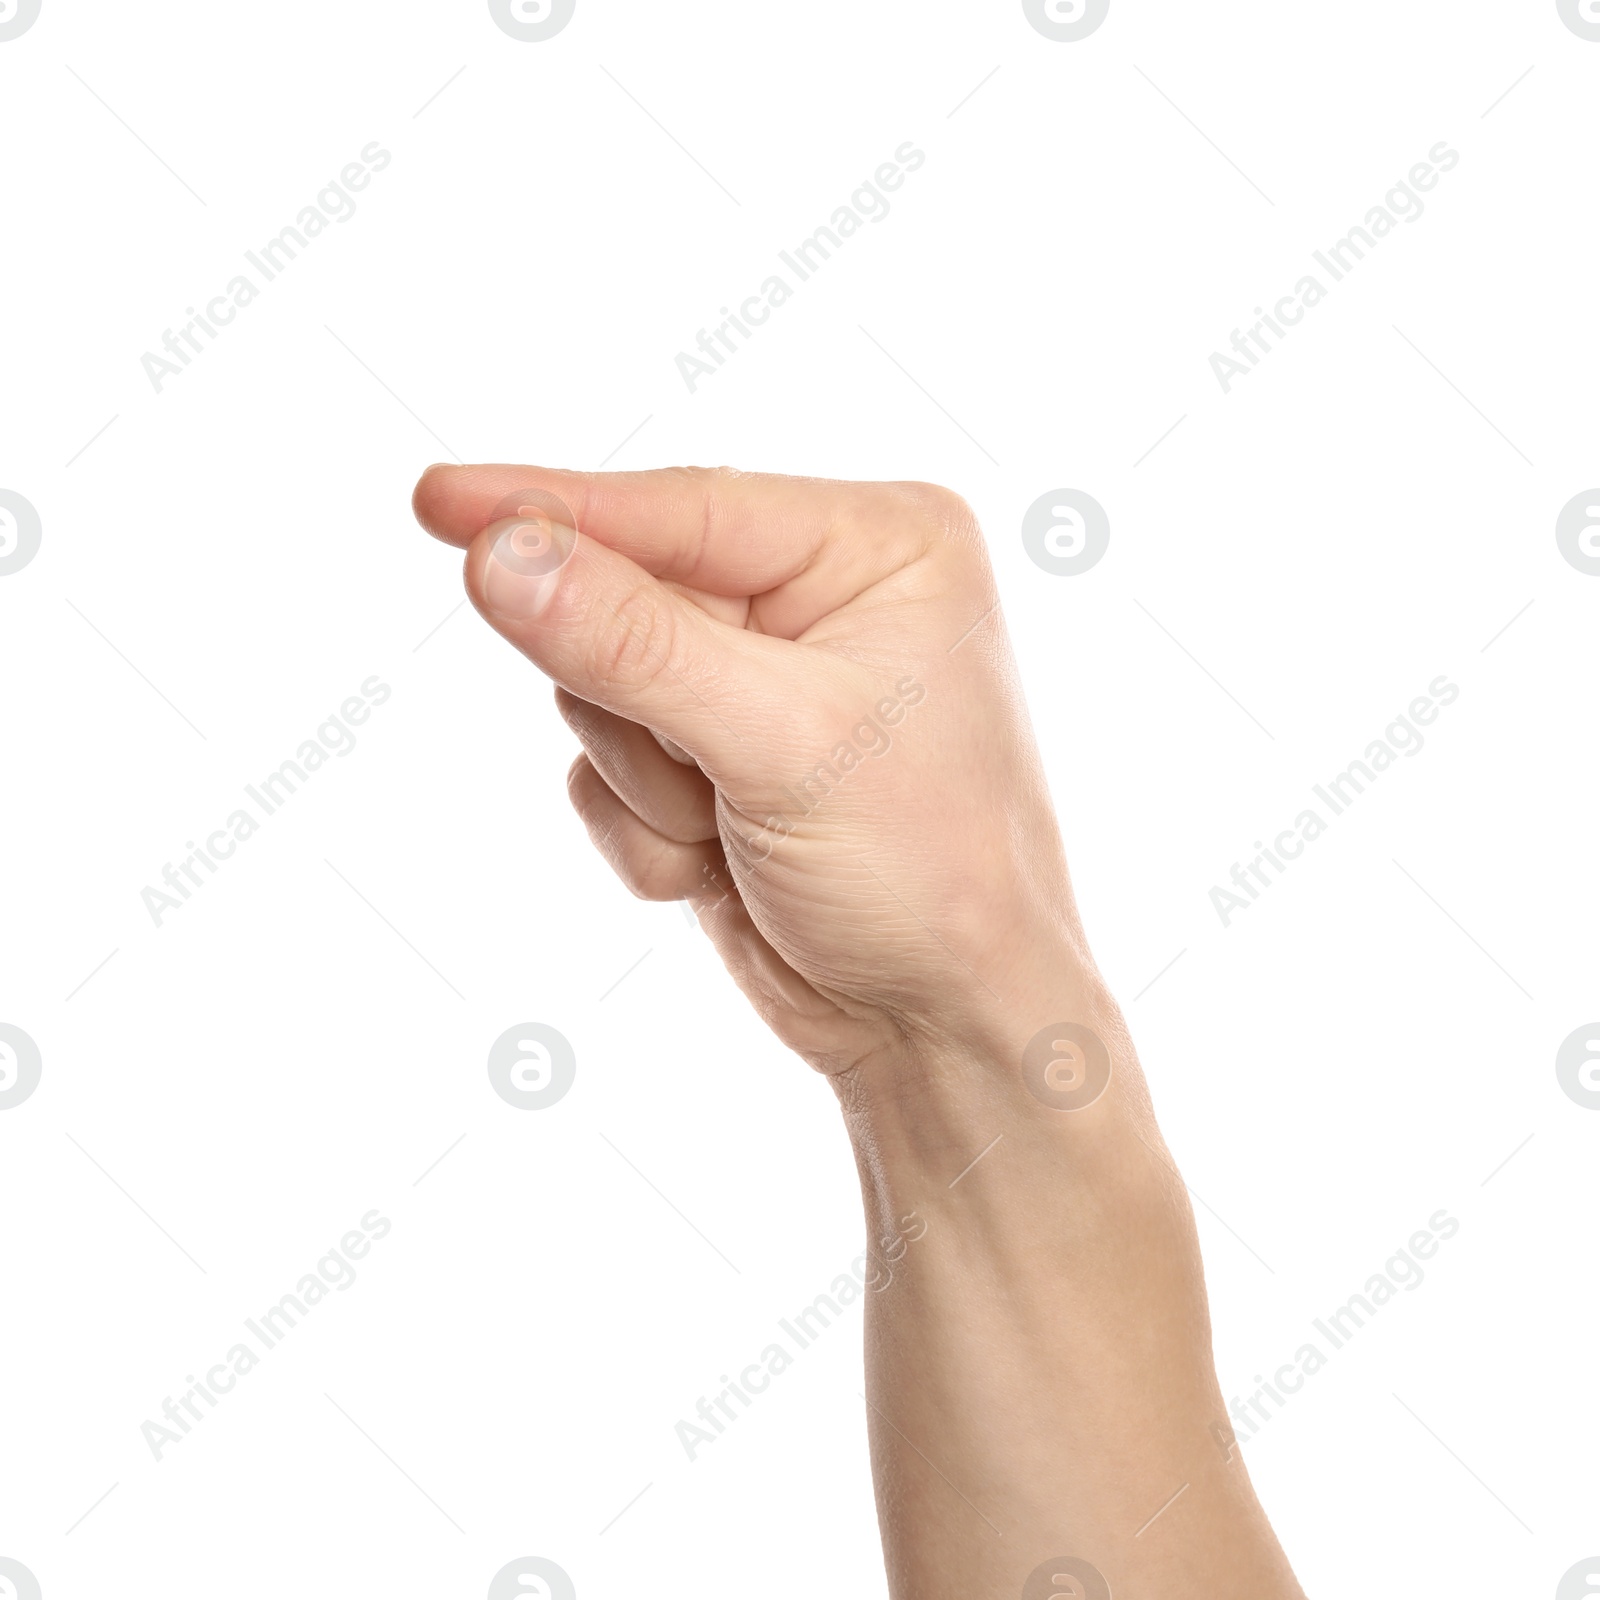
{"x": 798, "y": 711}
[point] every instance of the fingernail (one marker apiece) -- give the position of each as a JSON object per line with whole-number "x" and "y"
{"x": 531, "y": 541}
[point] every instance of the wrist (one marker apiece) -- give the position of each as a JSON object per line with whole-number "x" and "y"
{"x": 978, "y": 1041}
{"x": 1026, "y": 1100}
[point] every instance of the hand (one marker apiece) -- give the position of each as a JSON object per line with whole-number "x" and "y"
{"x": 798, "y": 710}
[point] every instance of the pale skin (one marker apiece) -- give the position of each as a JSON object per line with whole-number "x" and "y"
{"x": 1043, "y": 1408}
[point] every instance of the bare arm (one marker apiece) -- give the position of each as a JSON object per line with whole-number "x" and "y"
{"x": 1044, "y": 1412}
{"x": 798, "y": 711}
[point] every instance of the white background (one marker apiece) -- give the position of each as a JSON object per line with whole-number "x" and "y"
{"x": 229, "y": 559}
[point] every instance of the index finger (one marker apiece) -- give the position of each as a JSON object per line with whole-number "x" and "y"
{"x": 713, "y": 529}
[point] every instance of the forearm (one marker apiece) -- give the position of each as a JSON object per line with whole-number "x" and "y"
{"x": 1039, "y": 1372}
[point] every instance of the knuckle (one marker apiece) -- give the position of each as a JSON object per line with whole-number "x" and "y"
{"x": 586, "y": 721}
{"x": 710, "y": 477}
{"x": 710, "y": 485}
{"x": 934, "y": 519}
{"x": 687, "y": 820}
{"x": 571, "y": 711}
{"x": 944, "y": 512}
{"x": 634, "y": 647}
{"x": 581, "y": 781}
{"x": 651, "y": 873}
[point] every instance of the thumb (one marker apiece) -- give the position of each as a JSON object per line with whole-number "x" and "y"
{"x": 614, "y": 635}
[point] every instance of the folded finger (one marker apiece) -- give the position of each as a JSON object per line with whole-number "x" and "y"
{"x": 651, "y": 866}
{"x": 674, "y": 799}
